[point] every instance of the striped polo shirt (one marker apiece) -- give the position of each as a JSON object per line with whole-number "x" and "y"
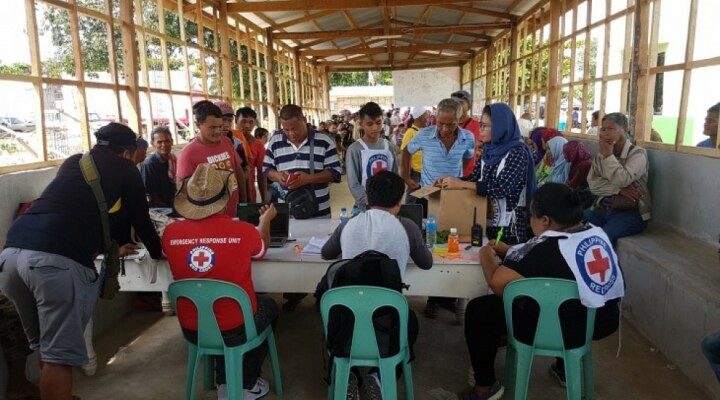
{"x": 437, "y": 161}
{"x": 281, "y": 155}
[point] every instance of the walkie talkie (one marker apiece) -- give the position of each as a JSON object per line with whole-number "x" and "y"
{"x": 477, "y": 231}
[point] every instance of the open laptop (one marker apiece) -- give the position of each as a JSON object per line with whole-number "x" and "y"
{"x": 413, "y": 212}
{"x": 279, "y": 227}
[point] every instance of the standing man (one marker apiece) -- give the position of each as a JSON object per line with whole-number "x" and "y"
{"x": 48, "y": 267}
{"x": 213, "y": 147}
{"x": 158, "y": 171}
{"x": 227, "y": 259}
{"x": 241, "y": 145}
{"x": 710, "y": 129}
{"x": 412, "y": 166}
{"x": 447, "y": 149}
{"x": 287, "y": 162}
{"x": 468, "y": 123}
{"x": 246, "y": 120}
{"x": 370, "y": 154}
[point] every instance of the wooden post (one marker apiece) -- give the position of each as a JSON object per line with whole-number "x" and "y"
{"x": 639, "y": 94}
{"x": 226, "y": 64}
{"x": 130, "y": 65}
{"x": 36, "y": 69}
{"x": 270, "y": 64}
{"x": 296, "y": 76}
{"x": 79, "y": 74}
{"x": 689, "y": 51}
{"x": 552, "y": 106}
{"x": 513, "y": 65}
{"x": 166, "y": 71}
{"x": 112, "y": 61}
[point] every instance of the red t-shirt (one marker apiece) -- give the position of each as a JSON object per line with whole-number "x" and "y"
{"x": 221, "y": 156}
{"x": 473, "y": 126}
{"x": 257, "y": 158}
{"x": 213, "y": 248}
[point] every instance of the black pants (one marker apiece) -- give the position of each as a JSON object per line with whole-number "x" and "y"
{"x": 266, "y": 314}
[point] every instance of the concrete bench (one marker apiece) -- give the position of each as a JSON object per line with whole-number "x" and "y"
{"x": 673, "y": 296}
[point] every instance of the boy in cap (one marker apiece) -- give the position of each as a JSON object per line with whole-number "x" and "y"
{"x": 48, "y": 261}
{"x": 227, "y": 259}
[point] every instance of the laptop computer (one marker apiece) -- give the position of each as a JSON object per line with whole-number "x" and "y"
{"x": 413, "y": 212}
{"x": 279, "y": 227}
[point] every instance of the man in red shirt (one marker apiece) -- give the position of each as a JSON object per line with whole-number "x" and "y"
{"x": 211, "y": 146}
{"x": 246, "y": 120}
{"x": 470, "y": 124}
{"x": 208, "y": 244}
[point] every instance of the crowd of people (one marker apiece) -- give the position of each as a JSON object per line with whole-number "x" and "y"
{"x": 543, "y": 190}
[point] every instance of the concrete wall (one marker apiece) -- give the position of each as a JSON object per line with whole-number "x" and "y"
{"x": 17, "y": 188}
{"x": 684, "y": 191}
{"x": 424, "y": 88}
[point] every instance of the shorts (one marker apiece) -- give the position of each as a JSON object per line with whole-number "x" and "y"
{"x": 55, "y": 297}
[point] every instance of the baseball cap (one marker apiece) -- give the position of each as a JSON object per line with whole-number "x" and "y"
{"x": 225, "y": 107}
{"x": 116, "y": 134}
{"x": 462, "y": 95}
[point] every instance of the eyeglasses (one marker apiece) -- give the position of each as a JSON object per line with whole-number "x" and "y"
{"x": 484, "y": 126}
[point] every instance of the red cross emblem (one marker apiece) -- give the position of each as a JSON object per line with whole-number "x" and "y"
{"x": 599, "y": 264}
{"x": 201, "y": 259}
{"x": 378, "y": 167}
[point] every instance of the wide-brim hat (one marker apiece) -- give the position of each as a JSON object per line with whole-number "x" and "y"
{"x": 205, "y": 193}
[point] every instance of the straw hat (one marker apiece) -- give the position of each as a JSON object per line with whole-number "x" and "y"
{"x": 205, "y": 193}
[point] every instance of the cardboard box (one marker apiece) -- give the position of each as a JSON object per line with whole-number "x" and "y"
{"x": 453, "y": 208}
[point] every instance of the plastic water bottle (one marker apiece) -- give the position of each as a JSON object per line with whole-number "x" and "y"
{"x": 355, "y": 211}
{"x": 430, "y": 231}
{"x": 343, "y": 215}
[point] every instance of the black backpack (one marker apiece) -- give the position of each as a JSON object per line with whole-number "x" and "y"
{"x": 370, "y": 268}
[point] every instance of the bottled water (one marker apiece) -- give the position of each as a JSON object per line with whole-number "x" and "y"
{"x": 355, "y": 211}
{"x": 431, "y": 231}
{"x": 343, "y": 215}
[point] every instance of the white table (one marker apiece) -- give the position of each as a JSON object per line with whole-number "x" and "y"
{"x": 284, "y": 271}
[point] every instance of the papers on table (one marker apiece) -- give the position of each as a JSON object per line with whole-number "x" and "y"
{"x": 139, "y": 256}
{"x": 314, "y": 246}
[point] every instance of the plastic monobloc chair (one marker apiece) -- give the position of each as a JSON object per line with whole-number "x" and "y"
{"x": 204, "y": 293}
{"x": 363, "y": 301}
{"x": 549, "y": 294}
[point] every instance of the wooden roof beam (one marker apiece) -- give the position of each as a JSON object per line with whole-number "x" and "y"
{"x": 419, "y": 30}
{"x": 310, "y": 5}
{"x": 480, "y": 11}
{"x": 468, "y": 46}
{"x": 399, "y": 66}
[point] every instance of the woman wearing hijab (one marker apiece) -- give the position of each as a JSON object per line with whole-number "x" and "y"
{"x": 560, "y": 167}
{"x": 545, "y": 168}
{"x": 580, "y": 161}
{"x": 536, "y": 144}
{"x": 505, "y": 174}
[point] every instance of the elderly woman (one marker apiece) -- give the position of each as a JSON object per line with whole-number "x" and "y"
{"x": 545, "y": 168}
{"x": 505, "y": 174}
{"x": 555, "y": 218}
{"x": 580, "y": 161}
{"x": 619, "y": 176}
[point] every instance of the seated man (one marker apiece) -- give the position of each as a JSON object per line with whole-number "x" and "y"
{"x": 227, "y": 260}
{"x": 619, "y": 176}
{"x": 710, "y": 129}
{"x": 556, "y": 220}
{"x": 158, "y": 170}
{"x": 380, "y": 229}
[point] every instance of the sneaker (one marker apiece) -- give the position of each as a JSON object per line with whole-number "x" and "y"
{"x": 222, "y": 392}
{"x": 258, "y": 391}
{"x": 290, "y": 305}
{"x": 353, "y": 392}
{"x": 495, "y": 393}
{"x": 431, "y": 310}
{"x": 558, "y": 373}
{"x": 372, "y": 390}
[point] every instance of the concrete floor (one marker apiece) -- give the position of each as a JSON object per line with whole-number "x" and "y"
{"x": 145, "y": 358}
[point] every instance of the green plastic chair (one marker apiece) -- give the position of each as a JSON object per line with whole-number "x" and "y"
{"x": 363, "y": 301}
{"x": 204, "y": 293}
{"x": 550, "y": 294}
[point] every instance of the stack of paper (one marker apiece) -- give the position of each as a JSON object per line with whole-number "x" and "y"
{"x": 314, "y": 246}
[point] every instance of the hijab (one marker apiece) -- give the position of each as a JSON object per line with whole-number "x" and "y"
{"x": 580, "y": 161}
{"x": 505, "y": 137}
{"x": 536, "y": 137}
{"x": 561, "y": 167}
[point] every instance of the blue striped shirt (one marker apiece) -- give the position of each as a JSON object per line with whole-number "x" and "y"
{"x": 437, "y": 161}
{"x": 282, "y": 156}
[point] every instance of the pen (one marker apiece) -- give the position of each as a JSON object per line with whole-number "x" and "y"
{"x": 499, "y": 236}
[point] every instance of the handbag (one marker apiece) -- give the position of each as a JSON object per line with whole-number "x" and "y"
{"x": 622, "y": 203}
{"x": 302, "y": 201}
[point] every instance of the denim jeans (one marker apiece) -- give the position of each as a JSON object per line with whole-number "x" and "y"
{"x": 616, "y": 223}
{"x": 711, "y": 348}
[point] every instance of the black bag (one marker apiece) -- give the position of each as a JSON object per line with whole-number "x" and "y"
{"x": 302, "y": 203}
{"x": 370, "y": 268}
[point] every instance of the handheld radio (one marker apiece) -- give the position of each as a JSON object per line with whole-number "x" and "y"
{"x": 477, "y": 231}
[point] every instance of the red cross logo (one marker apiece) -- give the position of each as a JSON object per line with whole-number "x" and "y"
{"x": 378, "y": 167}
{"x": 599, "y": 264}
{"x": 201, "y": 258}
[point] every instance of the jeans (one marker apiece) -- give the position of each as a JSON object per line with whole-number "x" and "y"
{"x": 711, "y": 348}
{"x": 616, "y": 223}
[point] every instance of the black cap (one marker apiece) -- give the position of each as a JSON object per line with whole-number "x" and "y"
{"x": 462, "y": 95}
{"x": 116, "y": 135}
